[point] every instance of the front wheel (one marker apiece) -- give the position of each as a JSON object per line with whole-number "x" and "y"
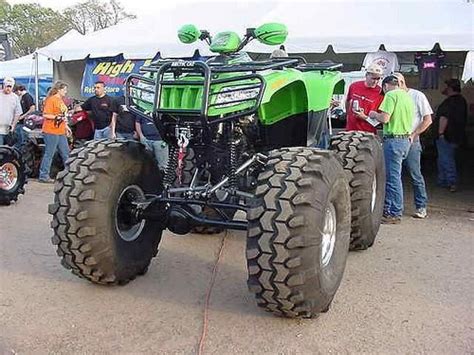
{"x": 299, "y": 228}
{"x": 96, "y": 233}
{"x": 12, "y": 175}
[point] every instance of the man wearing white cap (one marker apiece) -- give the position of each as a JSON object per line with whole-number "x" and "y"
{"x": 362, "y": 97}
{"x": 10, "y": 109}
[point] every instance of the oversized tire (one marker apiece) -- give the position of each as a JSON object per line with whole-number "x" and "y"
{"x": 94, "y": 231}
{"x": 362, "y": 157}
{"x": 12, "y": 175}
{"x": 57, "y": 165}
{"x": 32, "y": 157}
{"x": 299, "y": 230}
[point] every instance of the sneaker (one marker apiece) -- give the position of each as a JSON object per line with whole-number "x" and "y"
{"x": 387, "y": 219}
{"x": 452, "y": 188}
{"x": 420, "y": 213}
{"x": 46, "y": 181}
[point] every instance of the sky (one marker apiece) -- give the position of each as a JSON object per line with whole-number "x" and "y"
{"x": 147, "y": 7}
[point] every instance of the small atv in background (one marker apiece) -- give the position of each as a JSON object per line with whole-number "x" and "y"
{"x": 33, "y": 146}
{"x": 12, "y": 174}
{"x": 242, "y": 136}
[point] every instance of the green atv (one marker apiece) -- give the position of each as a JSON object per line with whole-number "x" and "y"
{"x": 243, "y": 136}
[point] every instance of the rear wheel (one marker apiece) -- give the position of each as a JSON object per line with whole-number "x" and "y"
{"x": 31, "y": 155}
{"x": 362, "y": 158}
{"x": 299, "y": 228}
{"x": 97, "y": 235}
{"x": 12, "y": 175}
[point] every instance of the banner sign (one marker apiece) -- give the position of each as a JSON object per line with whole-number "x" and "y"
{"x": 112, "y": 71}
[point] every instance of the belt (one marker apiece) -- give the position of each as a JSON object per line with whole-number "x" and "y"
{"x": 390, "y": 136}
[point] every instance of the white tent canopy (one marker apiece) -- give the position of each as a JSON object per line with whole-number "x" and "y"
{"x": 349, "y": 26}
{"x": 25, "y": 66}
{"x": 144, "y": 37}
{"x": 362, "y": 26}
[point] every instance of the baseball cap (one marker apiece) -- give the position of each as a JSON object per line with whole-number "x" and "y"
{"x": 454, "y": 84}
{"x": 374, "y": 69}
{"x": 391, "y": 79}
{"x": 8, "y": 81}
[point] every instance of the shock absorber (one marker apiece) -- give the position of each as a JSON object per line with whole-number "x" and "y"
{"x": 170, "y": 171}
{"x": 233, "y": 158}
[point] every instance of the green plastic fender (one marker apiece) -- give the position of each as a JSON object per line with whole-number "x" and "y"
{"x": 289, "y": 92}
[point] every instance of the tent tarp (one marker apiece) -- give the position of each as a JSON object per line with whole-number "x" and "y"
{"x": 25, "y": 66}
{"x": 349, "y": 26}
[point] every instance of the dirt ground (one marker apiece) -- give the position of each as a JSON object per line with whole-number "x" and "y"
{"x": 410, "y": 293}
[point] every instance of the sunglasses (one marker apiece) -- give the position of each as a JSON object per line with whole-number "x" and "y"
{"x": 8, "y": 86}
{"x": 376, "y": 78}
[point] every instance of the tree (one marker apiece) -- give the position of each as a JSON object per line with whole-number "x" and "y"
{"x": 31, "y": 26}
{"x": 94, "y": 15}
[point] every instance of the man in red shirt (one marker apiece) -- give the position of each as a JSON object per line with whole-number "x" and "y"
{"x": 363, "y": 97}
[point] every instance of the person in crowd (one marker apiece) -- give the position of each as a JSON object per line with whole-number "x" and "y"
{"x": 396, "y": 113}
{"x": 125, "y": 120}
{"x": 421, "y": 122}
{"x": 27, "y": 107}
{"x": 102, "y": 112}
{"x": 10, "y": 109}
{"x": 279, "y": 53}
{"x": 362, "y": 97}
{"x": 452, "y": 116}
{"x": 54, "y": 129}
{"x": 150, "y": 137}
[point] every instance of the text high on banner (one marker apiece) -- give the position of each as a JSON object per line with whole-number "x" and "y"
{"x": 113, "y": 71}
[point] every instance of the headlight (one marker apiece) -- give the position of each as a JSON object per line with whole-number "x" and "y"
{"x": 144, "y": 95}
{"x": 226, "y": 96}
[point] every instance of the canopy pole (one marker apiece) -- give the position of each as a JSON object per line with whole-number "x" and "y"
{"x": 35, "y": 56}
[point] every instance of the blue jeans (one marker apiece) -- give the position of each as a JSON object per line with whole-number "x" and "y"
{"x": 159, "y": 149}
{"x": 413, "y": 165}
{"x": 125, "y": 135}
{"x": 2, "y": 139}
{"x": 447, "y": 175}
{"x": 52, "y": 142}
{"x": 395, "y": 151}
{"x": 102, "y": 133}
{"x": 20, "y": 134}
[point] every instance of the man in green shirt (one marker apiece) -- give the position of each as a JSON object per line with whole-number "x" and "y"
{"x": 396, "y": 113}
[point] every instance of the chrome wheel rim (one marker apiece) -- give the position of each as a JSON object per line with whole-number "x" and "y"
{"x": 8, "y": 176}
{"x": 374, "y": 194}
{"x": 329, "y": 235}
{"x": 127, "y": 226}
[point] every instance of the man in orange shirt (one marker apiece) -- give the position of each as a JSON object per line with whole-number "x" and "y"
{"x": 55, "y": 129}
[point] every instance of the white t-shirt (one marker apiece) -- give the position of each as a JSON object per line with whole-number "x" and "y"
{"x": 387, "y": 60}
{"x": 9, "y": 108}
{"x": 422, "y": 107}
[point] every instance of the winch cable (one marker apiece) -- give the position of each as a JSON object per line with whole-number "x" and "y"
{"x": 208, "y": 296}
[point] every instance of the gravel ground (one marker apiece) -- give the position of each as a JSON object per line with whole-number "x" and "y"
{"x": 410, "y": 293}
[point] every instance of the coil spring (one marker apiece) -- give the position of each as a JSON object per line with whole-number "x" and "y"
{"x": 232, "y": 163}
{"x": 170, "y": 171}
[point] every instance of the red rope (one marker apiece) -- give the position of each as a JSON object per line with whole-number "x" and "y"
{"x": 208, "y": 297}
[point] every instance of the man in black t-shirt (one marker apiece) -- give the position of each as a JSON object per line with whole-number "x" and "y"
{"x": 102, "y": 112}
{"x": 27, "y": 107}
{"x": 452, "y": 116}
{"x": 125, "y": 124}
